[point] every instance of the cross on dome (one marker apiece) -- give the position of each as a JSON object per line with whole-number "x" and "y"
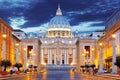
{"x": 59, "y": 12}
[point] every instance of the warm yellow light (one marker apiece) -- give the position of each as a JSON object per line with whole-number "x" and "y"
{"x": 83, "y": 54}
{"x": 43, "y": 63}
{"x": 25, "y": 49}
{"x": 17, "y": 44}
{"x": 4, "y": 35}
{"x": 92, "y": 49}
{"x": 70, "y": 41}
{"x": 100, "y": 44}
{"x": 52, "y": 41}
{"x": 72, "y": 63}
{"x": 113, "y": 36}
{"x": 30, "y": 52}
{"x": 87, "y": 52}
{"x": 45, "y": 41}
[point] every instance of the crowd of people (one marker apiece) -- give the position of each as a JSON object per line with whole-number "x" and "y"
{"x": 90, "y": 71}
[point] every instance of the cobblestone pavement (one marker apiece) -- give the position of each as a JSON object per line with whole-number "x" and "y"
{"x": 50, "y": 75}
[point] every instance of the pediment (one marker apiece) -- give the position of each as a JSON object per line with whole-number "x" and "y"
{"x": 57, "y": 43}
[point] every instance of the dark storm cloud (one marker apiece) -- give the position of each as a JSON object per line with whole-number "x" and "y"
{"x": 38, "y": 12}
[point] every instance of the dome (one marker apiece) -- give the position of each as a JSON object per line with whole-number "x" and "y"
{"x": 59, "y": 21}
{"x": 59, "y": 26}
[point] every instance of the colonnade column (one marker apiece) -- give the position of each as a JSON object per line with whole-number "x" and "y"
{"x": 67, "y": 56}
{"x": 92, "y": 58}
{"x": 25, "y": 59}
{"x": 61, "y": 56}
{"x": 55, "y": 56}
{"x": 4, "y": 50}
{"x": 114, "y": 55}
{"x": 17, "y": 52}
{"x": 50, "y": 56}
{"x": 100, "y": 62}
{"x": 42, "y": 56}
{"x": 73, "y": 53}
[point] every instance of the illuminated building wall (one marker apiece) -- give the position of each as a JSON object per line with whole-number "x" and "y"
{"x": 5, "y": 29}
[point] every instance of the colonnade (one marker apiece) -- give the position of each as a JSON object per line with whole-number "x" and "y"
{"x": 58, "y": 55}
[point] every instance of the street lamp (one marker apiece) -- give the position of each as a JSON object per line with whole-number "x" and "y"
{"x": 101, "y": 64}
{"x": 17, "y": 45}
{"x": 113, "y": 54}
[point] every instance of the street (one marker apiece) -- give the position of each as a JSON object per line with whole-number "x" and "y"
{"x": 49, "y": 75}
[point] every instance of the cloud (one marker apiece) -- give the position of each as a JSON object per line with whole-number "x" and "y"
{"x": 42, "y": 28}
{"x": 87, "y": 26}
{"x": 9, "y": 4}
{"x": 16, "y": 22}
{"x": 36, "y": 13}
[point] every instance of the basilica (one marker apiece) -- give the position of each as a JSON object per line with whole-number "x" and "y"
{"x": 59, "y": 47}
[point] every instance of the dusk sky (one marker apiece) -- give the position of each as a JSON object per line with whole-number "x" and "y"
{"x": 34, "y": 15}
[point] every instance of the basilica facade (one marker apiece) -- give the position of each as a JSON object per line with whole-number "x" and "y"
{"x": 59, "y": 47}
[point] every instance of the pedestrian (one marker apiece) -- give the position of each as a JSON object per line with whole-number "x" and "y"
{"x": 93, "y": 72}
{"x": 12, "y": 70}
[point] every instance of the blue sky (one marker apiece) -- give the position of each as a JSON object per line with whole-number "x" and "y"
{"x": 34, "y": 15}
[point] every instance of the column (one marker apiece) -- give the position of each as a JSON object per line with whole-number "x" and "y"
{"x": 61, "y": 57}
{"x": 67, "y": 56}
{"x": 25, "y": 59}
{"x": 101, "y": 62}
{"x": 55, "y": 56}
{"x": 87, "y": 58}
{"x": 83, "y": 59}
{"x": 51, "y": 56}
{"x": 92, "y": 58}
{"x": 17, "y": 52}
{"x": 42, "y": 57}
{"x": 73, "y": 53}
{"x": 4, "y": 50}
{"x": 48, "y": 56}
{"x": 114, "y": 58}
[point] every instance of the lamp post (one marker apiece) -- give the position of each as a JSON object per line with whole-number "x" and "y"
{"x": 25, "y": 59}
{"x": 92, "y": 55}
{"x": 114, "y": 55}
{"x": 101, "y": 63}
{"x": 4, "y": 47}
{"x": 17, "y": 52}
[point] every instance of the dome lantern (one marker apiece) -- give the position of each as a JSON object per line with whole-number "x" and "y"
{"x": 59, "y": 12}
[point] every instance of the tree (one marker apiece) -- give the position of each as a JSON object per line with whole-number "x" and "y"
{"x": 35, "y": 68}
{"x": 92, "y": 66}
{"x": 117, "y": 63}
{"x": 18, "y": 65}
{"x": 87, "y": 66}
{"x": 5, "y": 64}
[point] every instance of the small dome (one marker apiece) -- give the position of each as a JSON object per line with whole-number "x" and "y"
{"x": 59, "y": 21}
